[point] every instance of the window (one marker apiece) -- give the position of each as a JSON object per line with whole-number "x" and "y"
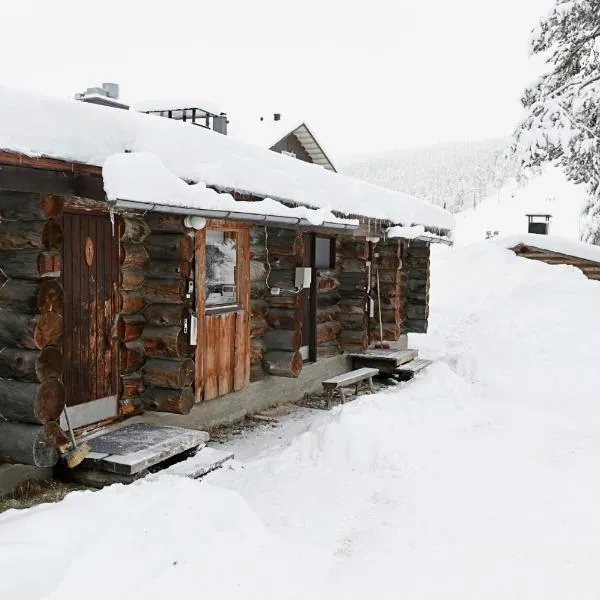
{"x": 221, "y": 268}
{"x": 324, "y": 253}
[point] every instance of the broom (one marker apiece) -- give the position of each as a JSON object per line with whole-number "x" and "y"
{"x": 381, "y": 345}
{"x": 77, "y": 453}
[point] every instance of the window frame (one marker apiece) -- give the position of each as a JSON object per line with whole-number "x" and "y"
{"x": 331, "y": 239}
{"x": 211, "y": 309}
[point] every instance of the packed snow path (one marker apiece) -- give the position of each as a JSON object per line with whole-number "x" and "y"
{"x": 477, "y": 480}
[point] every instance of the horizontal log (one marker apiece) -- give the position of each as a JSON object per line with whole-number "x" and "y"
{"x": 283, "y": 364}
{"x": 258, "y": 270}
{"x": 292, "y": 248}
{"x": 30, "y": 365}
{"x": 174, "y": 374}
{"x": 32, "y": 332}
{"x": 25, "y": 206}
{"x": 130, "y": 327}
{"x": 418, "y": 249}
{"x": 30, "y": 263}
{"x": 31, "y": 402}
{"x": 354, "y": 321}
{"x": 163, "y": 222}
{"x": 170, "y": 401}
{"x": 257, "y": 373}
{"x": 417, "y": 312}
{"x": 30, "y": 234}
{"x": 416, "y": 325}
{"x": 168, "y": 269}
{"x": 132, "y": 302}
{"x": 328, "y": 349}
{"x": 327, "y": 298}
{"x": 284, "y": 301}
{"x": 166, "y": 342}
{"x": 351, "y": 265}
{"x": 353, "y": 305}
{"x": 327, "y": 281}
{"x": 283, "y": 339}
{"x": 258, "y": 326}
{"x": 257, "y": 350}
{"x": 28, "y": 444}
{"x": 132, "y": 386}
{"x": 131, "y": 356}
{"x": 131, "y": 279}
{"x": 31, "y": 296}
{"x": 165, "y": 315}
{"x": 283, "y": 261}
{"x": 258, "y": 307}
{"x": 164, "y": 291}
{"x": 133, "y": 229}
{"x": 351, "y": 248}
{"x": 285, "y": 278}
{"x": 170, "y": 246}
{"x": 387, "y": 262}
{"x": 285, "y": 318}
{"x": 133, "y": 255}
{"x": 328, "y": 331}
{"x": 391, "y": 332}
{"x": 328, "y": 313}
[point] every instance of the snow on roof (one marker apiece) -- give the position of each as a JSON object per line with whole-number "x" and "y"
{"x": 552, "y": 244}
{"x": 142, "y": 178}
{"x": 37, "y": 125}
{"x": 177, "y": 103}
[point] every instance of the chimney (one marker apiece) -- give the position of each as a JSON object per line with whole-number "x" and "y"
{"x": 106, "y": 95}
{"x": 276, "y": 116}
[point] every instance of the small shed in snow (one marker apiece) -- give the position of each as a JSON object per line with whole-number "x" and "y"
{"x": 150, "y": 265}
{"x": 557, "y": 251}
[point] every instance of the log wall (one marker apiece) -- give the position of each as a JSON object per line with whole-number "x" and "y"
{"x": 32, "y": 395}
{"x": 156, "y": 360}
{"x": 417, "y": 272}
{"x": 388, "y": 261}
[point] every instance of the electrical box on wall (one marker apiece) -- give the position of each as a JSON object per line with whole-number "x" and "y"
{"x": 303, "y": 277}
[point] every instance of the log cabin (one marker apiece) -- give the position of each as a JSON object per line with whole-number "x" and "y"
{"x": 155, "y": 267}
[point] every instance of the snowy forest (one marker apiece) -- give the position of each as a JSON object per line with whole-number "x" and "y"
{"x": 456, "y": 176}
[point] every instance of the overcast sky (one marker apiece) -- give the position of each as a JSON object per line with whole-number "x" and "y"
{"x": 368, "y": 76}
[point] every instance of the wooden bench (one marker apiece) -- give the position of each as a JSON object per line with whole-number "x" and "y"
{"x": 407, "y": 371}
{"x": 346, "y": 379}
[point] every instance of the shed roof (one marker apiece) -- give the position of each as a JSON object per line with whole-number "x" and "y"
{"x": 552, "y": 244}
{"x": 37, "y": 125}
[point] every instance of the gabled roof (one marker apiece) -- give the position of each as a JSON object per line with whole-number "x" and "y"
{"x": 37, "y": 125}
{"x": 267, "y": 132}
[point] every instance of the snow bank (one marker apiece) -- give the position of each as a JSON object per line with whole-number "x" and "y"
{"x": 553, "y": 244}
{"x": 141, "y": 177}
{"x": 37, "y": 125}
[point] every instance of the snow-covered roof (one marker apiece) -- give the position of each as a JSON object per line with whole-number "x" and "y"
{"x": 552, "y": 244}
{"x": 37, "y": 125}
{"x": 177, "y": 103}
{"x": 266, "y": 132}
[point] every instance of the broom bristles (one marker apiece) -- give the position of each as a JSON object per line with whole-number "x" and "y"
{"x": 77, "y": 455}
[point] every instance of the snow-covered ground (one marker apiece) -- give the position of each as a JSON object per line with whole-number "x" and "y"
{"x": 477, "y": 480}
{"x": 505, "y": 211}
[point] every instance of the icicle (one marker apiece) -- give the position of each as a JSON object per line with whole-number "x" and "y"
{"x": 111, "y": 214}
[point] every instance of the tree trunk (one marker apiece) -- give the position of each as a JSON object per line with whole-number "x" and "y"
{"x": 31, "y": 296}
{"x": 133, "y": 255}
{"x": 134, "y": 229}
{"x": 169, "y": 291}
{"x": 28, "y": 444}
{"x": 283, "y": 364}
{"x": 166, "y": 342}
{"x": 29, "y": 365}
{"x": 164, "y": 315}
{"x": 30, "y": 263}
{"x": 168, "y": 269}
{"x": 169, "y": 373}
{"x": 31, "y": 402}
{"x": 32, "y": 332}
{"x": 30, "y": 234}
{"x": 132, "y": 357}
{"x": 25, "y": 206}
{"x": 170, "y": 246}
{"x": 171, "y": 401}
{"x": 283, "y": 339}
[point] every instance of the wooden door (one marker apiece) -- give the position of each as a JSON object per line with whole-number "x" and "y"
{"x": 223, "y": 352}
{"x": 89, "y": 278}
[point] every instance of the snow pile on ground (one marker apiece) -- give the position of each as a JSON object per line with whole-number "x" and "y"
{"x": 36, "y": 125}
{"x": 476, "y": 480}
{"x": 505, "y": 211}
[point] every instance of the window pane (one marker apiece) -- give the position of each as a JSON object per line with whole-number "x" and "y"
{"x": 221, "y": 268}
{"x": 323, "y": 253}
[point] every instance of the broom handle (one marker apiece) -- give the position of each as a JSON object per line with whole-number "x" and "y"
{"x": 69, "y": 427}
{"x": 379, "y": 307}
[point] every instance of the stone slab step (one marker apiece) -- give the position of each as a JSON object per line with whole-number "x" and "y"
{"x": 384, "y": 360}
{"x": 410, "y": 369}
{"x": 206, "y": 460}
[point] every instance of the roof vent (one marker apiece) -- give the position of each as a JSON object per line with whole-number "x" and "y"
{"x": 107, "y": 95}
{"x": 276, "y": 116}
